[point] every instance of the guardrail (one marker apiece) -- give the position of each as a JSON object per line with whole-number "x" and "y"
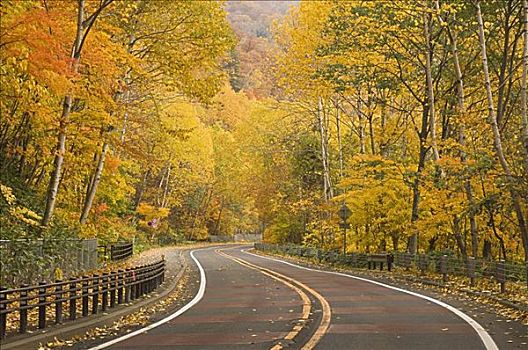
{"x": 500, "y": 271}
{"x": 445, "y": 265}
{"x": 95, "y": 293}
{"x": 120, "y": 251}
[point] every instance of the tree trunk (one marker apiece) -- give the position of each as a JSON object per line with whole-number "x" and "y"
{"x": 497, "y": 138}
{"x": 524, "y": 99}
{"x": 339, "y": 143}
{"x": 413, "y": 239}
{"x": 501, "y": 98}
{"x": 371, "y": 134}
{"x": 160, "y": 187}
{"x": 40, "y": 177}
{"x": 486, "y": 250}
{"x": 432, "y": 244}
{"x": 203, "y": 203}
{"x": 459, "y": 238}
{"x": 53, "y": 186}
{"x": 90, "y": 181}
{"x": 461, "y": 134}
{"x": 430, "y": 88}
{"x": 395, "y": 237}
{"x": 361, "y": 128}
{"x": 31, "y": 174}
{"x": 219, "y": 218}
{"x": 166, "y": 188}
{"x": 497, "y": 235}
{"x": 383, "y": 121}
{"x": 327, "y": 184}
{"x": 140, "y": 189}
{"x": 93, "y": 185}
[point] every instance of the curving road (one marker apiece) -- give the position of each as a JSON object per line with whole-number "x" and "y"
{"x": 253, "y": 302}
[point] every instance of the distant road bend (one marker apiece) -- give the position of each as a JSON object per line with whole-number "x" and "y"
{"x": 248, "y": 301}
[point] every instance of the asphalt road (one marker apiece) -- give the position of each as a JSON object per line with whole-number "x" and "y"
{"x": 254, "y": 302}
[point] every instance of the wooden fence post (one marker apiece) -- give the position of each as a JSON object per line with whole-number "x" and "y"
{"x": 3, "y": 312}
{"x": 113, "y": 279}
{"x": 128, "y": 287}
{"x": 139, "y": 282}
{"x": 164, "y": 264}
{"x": 42, "y": 305}
{"x": 133, "y": 284}
{"x": 150, "y": 279}
{"x": 390, "y": 260}
{"x": 95, "y": 293}
{"x": 73, "y": 298}
{"x": 138, "y": 274}
{"x": 85, "y": 295}
{"x": 23, "y": 310}
{"x": 120, "y": 285}
{"x": 58, "y": 302}
{"x": 105, "y": 292}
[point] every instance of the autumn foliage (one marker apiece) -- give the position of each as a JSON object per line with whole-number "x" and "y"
{"x": 172, "y": 120}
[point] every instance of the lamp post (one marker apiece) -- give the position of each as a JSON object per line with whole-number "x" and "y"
{"x": 344, "y": 214}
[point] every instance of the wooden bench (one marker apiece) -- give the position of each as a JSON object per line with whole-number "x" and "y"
{"x": 373, "y": 259}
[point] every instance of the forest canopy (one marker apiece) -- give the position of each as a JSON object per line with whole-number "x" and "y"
{"x": 171, "y": 120}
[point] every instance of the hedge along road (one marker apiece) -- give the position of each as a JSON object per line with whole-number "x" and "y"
{"x": 246, "y": 301}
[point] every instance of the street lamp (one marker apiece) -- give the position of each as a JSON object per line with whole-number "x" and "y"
{"x": 344, "y": 214}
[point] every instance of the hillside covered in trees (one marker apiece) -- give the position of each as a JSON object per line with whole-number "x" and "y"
{"x": 249, "y": 64}
{"x": 184, "y": 120}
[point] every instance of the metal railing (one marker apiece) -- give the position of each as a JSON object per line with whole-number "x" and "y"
{"x": 120, "y": 251}
{"x": 473, "y": 269}
{"x": 444, "y": 265}
{"x": 95, "y": 293}
{"x": 116, "y": 251}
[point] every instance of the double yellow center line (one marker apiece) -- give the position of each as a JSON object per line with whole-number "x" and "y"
{"x": 307, "y": 304}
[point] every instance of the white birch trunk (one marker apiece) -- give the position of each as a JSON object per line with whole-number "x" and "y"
{"x": 93, "y": 186}
{"x": 327, "y": 185}
{"x": 430, "y": 87}
{"x": 497, "y": 141}
{"x": 339, "y": 143}
{"x": 461, "y": 132}
{"x": 55, "y": 177}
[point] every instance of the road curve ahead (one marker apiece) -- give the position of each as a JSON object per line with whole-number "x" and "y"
{"x": 254, "y": 302}
{"x": 370, "y": 315}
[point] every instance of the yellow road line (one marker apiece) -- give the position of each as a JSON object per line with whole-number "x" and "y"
{"x": 327, "y": 313}
{"x": 307, "y": 304}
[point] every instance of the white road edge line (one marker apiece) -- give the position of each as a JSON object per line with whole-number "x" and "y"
{"x": 488, "y": 341}
{"x": 194, "y": 301}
